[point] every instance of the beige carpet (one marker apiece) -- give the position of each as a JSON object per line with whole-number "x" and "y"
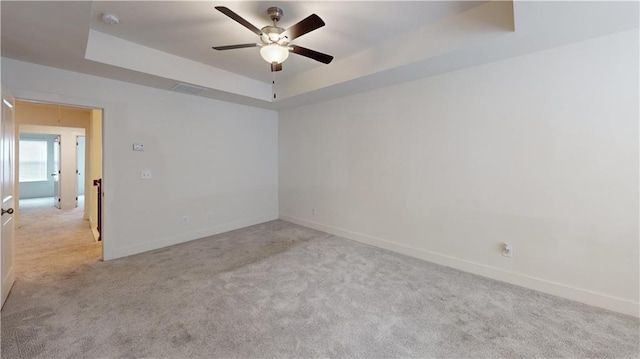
{"x": 50, "y": 241}
{"x": 278, "y": 290}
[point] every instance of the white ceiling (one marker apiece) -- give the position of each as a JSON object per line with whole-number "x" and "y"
{"x": 190, "y": 29}
{"x": 375, "y": 43}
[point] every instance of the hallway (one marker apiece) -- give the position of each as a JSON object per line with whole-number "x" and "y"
{"x": 50, "y": 241}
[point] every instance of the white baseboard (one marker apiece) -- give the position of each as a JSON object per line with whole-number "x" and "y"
{"x": 94, "y": 229}
{"x": 185, "y": 237}
{"x": 96, "y": 234}
{"x": 619, "y": 305}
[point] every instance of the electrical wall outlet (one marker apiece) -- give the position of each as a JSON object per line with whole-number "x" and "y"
{"x": 185, "y": 219}
{"x": 138, "y": 147}
{"x": 145, "y": 174}
{"x": 507, "y": 250}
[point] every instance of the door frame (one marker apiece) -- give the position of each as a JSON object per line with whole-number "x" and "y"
{"x": 7, "y": 278}
{"x": 55, "y": 99}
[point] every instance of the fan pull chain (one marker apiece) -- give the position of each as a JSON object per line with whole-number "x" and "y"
{"x": 273, "y": 85}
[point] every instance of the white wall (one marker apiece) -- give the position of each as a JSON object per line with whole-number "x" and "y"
{"x": 540, "y": 151}
{"x": 213, "y": 161}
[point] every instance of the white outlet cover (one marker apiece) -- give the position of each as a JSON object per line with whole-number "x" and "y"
{"x": 138, "y": 147}
{"x": 145, "y": 174}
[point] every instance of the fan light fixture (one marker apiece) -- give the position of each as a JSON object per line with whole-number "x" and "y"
{"x": 274, "y": 53}
{"x": 275, "y": 42}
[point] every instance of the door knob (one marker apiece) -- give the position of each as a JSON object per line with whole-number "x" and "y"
{"x": 10, "y": 211}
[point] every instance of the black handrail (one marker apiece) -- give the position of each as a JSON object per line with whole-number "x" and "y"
{"x": 98, "y": 183}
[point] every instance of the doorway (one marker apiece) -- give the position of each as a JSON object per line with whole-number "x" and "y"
{"x": 57, "y": 216}
{"x": 39, "y": 169}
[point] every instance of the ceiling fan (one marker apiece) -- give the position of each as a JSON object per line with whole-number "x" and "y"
{"x": 275, "y": 41}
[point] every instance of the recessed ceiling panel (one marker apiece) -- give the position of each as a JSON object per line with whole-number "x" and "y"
{"x": 190, "y": 29}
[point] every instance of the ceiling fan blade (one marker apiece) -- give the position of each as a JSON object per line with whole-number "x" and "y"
{"x": 239, "y": 19}
{"x": 231, "y": 47}
{"x": 318, "y": 56}
{"x": 309, "y": 24}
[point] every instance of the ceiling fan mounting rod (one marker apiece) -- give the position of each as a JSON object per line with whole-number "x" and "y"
{"x": 275, "y": 13}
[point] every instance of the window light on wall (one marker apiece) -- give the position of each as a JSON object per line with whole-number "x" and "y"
{"x": 33, "y": 161}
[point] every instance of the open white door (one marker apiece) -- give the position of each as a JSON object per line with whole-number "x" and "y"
{"x": 7, "y": 154}
{"x": 80, "y": 165}
{"x": 56, "y": 173}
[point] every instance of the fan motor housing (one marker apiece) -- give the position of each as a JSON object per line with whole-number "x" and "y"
{"x": 272, "y": 34}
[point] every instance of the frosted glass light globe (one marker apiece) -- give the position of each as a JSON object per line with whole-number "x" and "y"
{"x": 274, "y": 53}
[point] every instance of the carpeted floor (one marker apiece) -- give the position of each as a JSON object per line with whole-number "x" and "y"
{"x": 50, "y": 241}
{"x": 281, "y": 290}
